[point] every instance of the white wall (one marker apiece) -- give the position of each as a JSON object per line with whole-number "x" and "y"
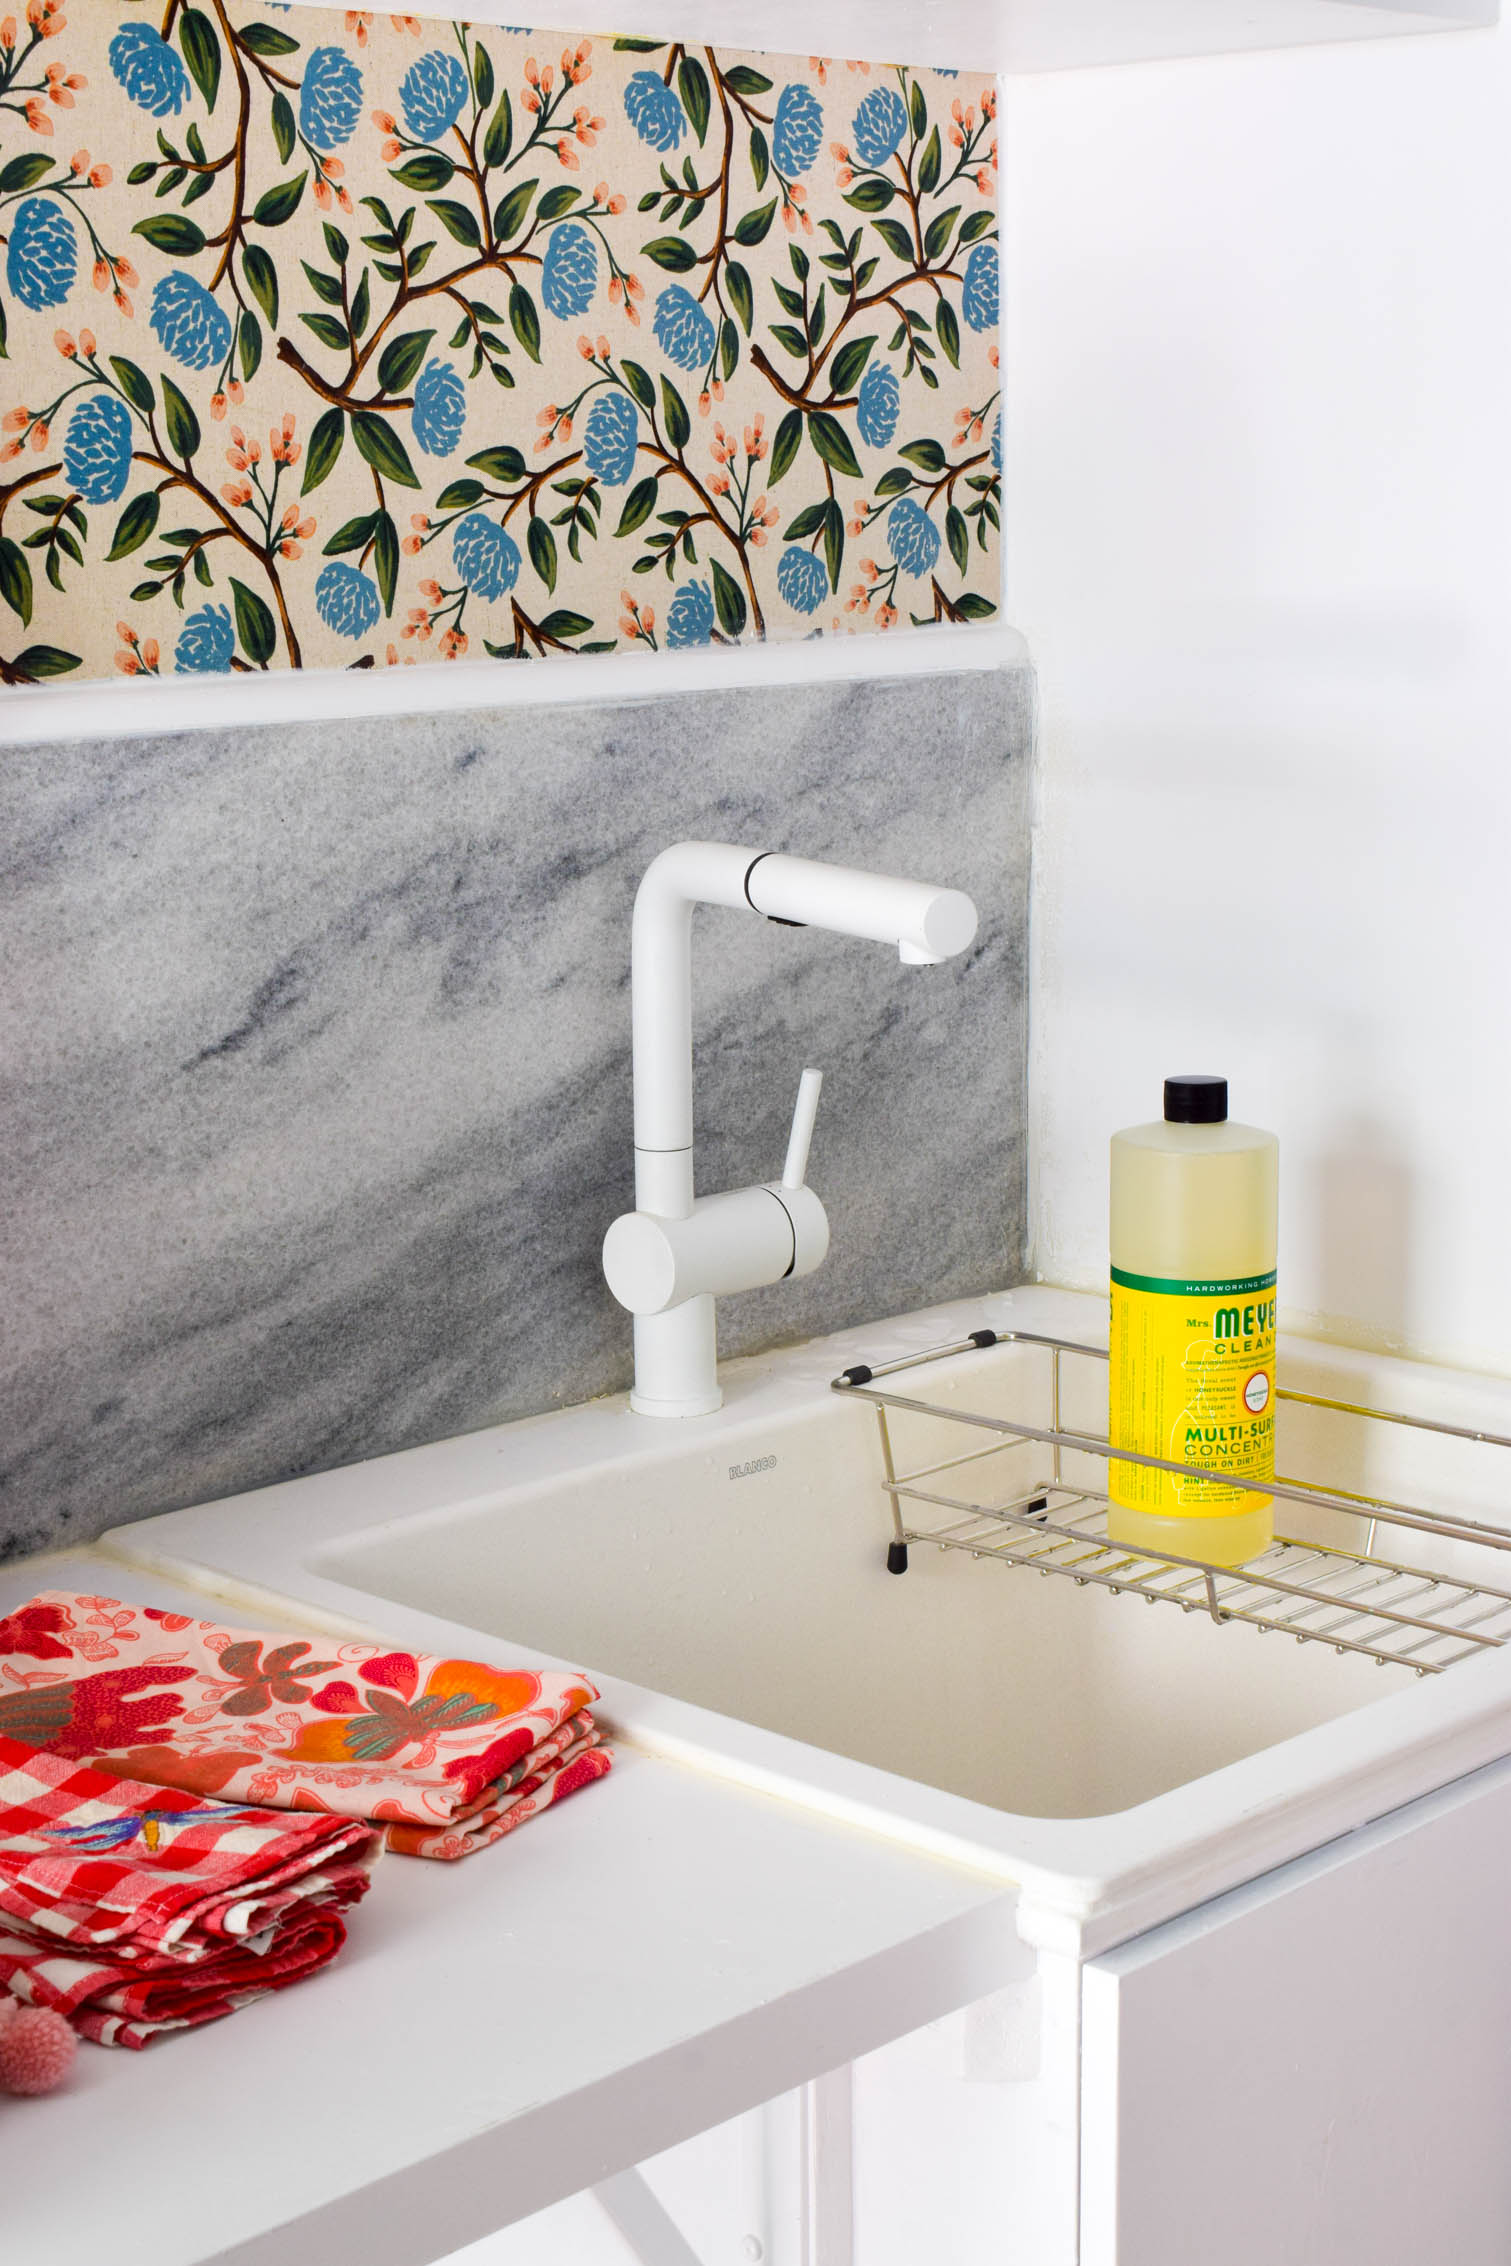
{"x": 1259, "y": 512}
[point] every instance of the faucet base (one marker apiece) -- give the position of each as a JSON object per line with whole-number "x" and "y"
{"x": 676, "y": 1371}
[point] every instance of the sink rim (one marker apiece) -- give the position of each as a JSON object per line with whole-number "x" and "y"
{"x": 1085, "y": 1882}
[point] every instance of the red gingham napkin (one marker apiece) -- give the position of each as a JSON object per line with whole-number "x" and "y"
{"x": 445, "y": 1755}
{"x": 132, "y": 1909}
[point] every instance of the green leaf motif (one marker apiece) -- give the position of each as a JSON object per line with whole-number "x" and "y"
{"x": 639, "y": 383}
{"x": 329, "y": 331}
{"x": 134, "y": 384}
{"x": 171, "y": 232}
{"x": 930, "y": 165}
{"x": 958, "y": 536}
{"x": 927, "y": 455}
{"x": 833, "y": 444}
{"x": 848, "y": 366}
{"x": 871, "y": 195}
{"x": 197, "y": 37}
{"x": 504, "y": 464}
{"x": 679, "y": 426}
{"x": 279, "y": 204}
{"x": 742, "y": 80}
{"x": 753, "y": 228}
{"x": 638, "y": 505}
{"x": 760, "y": 158}
{"x": 947, "y": 331}
{"x": 23, "y": 171}
{"x": 500, "y": 135}
{"x": 742, "y": 298}
{"x": 524, "y": 320}
{"x": 183, "y": 425}
{"x": 457, "y": 495}
{"x": 325, "y": 446}
{"x": 263, "y": 40}
{"x": 729, "y": 600}
{"x": 555, "y": 202}
{"x": 542, "y": 547}
{"x": 400, "y": 361}
{"x": 692, "y": 85}
{"x": 134, "y": 525}
{"x": 937, "y": 237}
{"x": 382, "y": 447}
{"x": 673, "y": 253}
{"x": 38, "y": 661}
{"x": 254, "y": 624}
{"x": 386, "y": 558}
{"x": 15, "y": 578}
{"x": 352, "y": 535}
{"x": 285, "y": 134}
{"x": 459, "y": 221}
{"x": 426, "y": 171}
{"x": 262, "y": 281}
{"x": 785, "y": 445}
{"x": 513, "y": 211}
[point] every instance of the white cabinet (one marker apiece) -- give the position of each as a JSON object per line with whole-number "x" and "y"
{"x": 1315, "y": 2068}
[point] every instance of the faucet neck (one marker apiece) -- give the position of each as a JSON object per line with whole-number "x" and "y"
{"x": 690, "y": 873}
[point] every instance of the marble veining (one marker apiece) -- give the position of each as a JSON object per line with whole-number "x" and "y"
{"x": 315, "y": 1092}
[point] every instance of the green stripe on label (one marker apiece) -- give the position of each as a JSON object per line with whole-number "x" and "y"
{"x": 1237, "y": 1286}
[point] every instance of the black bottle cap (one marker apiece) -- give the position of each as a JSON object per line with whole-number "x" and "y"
{"x": 1196, "y": 1100}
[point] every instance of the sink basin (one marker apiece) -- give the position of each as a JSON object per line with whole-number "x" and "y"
{"x": 725, "y": 1580}
{"x": 748, "y": 1575}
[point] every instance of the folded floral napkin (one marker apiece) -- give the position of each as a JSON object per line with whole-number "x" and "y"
{"x": 132, "y": 1909}
{"x": 444, "y": 1755}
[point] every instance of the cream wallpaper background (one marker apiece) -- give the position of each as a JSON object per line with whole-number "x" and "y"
{"x": 355, "y": 338}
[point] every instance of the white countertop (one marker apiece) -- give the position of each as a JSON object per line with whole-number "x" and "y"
{"x": 656, "y": 1955}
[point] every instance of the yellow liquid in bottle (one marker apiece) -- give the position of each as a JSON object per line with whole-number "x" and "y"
{"x": 1193, "y": 1336}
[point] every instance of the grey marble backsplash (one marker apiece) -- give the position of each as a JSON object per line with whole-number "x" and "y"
{"x": 314, "y": 1064}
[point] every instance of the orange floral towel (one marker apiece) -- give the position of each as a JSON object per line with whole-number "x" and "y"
{"x": 445, "y": 1755}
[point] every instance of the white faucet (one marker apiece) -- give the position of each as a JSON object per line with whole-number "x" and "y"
{"x": 675, "y": 1253}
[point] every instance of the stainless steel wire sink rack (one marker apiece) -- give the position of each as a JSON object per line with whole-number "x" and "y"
{"x": 1028, "y": 1496}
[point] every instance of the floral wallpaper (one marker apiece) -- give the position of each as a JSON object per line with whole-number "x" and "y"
{"x": 349, "y": 338}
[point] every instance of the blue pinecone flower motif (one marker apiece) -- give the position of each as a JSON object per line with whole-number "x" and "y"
{"x": 192, "y": 328}
{"x": 655, "y": 110}
{"x": 690, "y": 616}
{"x": 346, "y": 599}
{"x": 149, "y": 70}
{"x": 797, "y": 133}
{"x": 683, "y": 331}
{"x": 485, "y": 555}
{"x": 610, "y": 438}
{"x": 97, "y": 448}
{"x": 440, "y": 408}
{"x": 978, "y": 298}
{"x": 432, "y": 94}
{"x": 330, "y": 101}
{"x": 569, "y": 271}
{"x": 42, "y": 258}
{"x": 912, "y": 537}
{"x": 877, "y": 406}
{"x": 205, "y": 643}
{"x": 802, "y": 580}
{"x": 878, "y": 126}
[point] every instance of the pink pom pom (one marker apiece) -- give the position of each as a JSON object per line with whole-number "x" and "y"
{"x": 36, "y": 2049}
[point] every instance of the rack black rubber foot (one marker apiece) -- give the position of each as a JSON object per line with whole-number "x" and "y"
{"x": 897, "y": 1557}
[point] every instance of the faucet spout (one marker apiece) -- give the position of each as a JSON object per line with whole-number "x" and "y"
{"x": 738, "y": 1240}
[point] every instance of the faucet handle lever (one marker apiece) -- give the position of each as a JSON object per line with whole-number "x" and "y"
{"x": 795, "y": 1170}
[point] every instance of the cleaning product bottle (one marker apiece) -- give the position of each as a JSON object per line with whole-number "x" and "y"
{"x": 1193, "y": 1327}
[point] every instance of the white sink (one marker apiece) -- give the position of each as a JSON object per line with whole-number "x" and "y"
{"x": 725, "y": 1579}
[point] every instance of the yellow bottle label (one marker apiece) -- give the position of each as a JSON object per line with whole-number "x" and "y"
{"x": 1193, "y": 1381}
